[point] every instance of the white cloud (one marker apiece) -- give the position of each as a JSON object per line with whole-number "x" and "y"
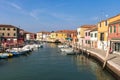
{"x": 34, "y": 15}
{"x": 15, "y": 6}
{"x": 106, "y": 15}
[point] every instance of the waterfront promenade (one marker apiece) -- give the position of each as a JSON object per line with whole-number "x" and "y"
{"x": 113, "y": 60}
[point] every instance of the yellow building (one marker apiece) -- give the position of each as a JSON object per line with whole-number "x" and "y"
{"x": 53, "y": 36}
{"x": 61, "y": 36}
{"x": 67, "y": 35}
{"x": 103, "y": 34}
{"x": 58, "y": 35}
{"x": 103, "y": 27}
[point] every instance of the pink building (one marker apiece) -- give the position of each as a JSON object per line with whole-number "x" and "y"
{"x": 87, "y": 38}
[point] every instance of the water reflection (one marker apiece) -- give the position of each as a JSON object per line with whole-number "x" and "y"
{"x": 82, "y": 62}
{"x": 47, "y": 64}
{"x": 85, "y": 64}
{"x": 53, "y": 45}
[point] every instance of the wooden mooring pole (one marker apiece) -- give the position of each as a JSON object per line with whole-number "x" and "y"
{"x": 106, "y": 57}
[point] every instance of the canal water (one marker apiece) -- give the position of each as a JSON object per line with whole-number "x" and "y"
{"x": 49, "y": 63}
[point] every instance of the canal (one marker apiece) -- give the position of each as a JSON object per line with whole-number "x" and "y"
{"x": 49, "y": 64}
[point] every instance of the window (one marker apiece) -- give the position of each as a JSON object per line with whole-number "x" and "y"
{"x": 14, "y": 29}
{"x": 106, "y": 23}
{"x": 119, "y": 28}
{"x": 14, "y": 34}
{"x": 8, "y": 28}
{"x": 110, "y": 29}
{"x": 86, "y": 34}
{"x": 101, "y": 36}
{"x": 2, "y": 34}
{"x": 8, "y": 34}
{"x": 56, "y": 34}
{"x": 95, "y": 35}
{"x": 3, "y": 28}
{"x": 114, "y": 29}
{"x": 91, "y": 35}
{"x": 86, "y": 41}
{"x": 100, "y": 24}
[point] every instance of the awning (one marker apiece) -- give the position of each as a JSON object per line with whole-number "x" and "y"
{"x": 69, "y": 39}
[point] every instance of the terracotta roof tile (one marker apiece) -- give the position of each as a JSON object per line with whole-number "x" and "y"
{"x": 66, "y": 31}
{"x": 44, "y": 32}
{"x": 7, "y": 26}
{"x": 87, "y": 26}
{"x": 94, "y": 29}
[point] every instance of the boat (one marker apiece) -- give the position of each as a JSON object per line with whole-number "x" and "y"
{"x": 63, "y": 46}
{"x": 68, "y": 51}
{"x": 4, "y": 55}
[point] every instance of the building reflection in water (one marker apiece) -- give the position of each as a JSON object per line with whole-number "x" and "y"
{"x": 86, "y": 64}
{"x": 53, "y": 45}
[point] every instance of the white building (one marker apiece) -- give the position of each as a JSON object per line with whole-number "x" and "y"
{"x": 93, "y": 37}
{"x": 27, "y": 36}
{"x": 43, "y": 36}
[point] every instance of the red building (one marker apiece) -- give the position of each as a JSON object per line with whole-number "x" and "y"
{"x": 114, "y": 35}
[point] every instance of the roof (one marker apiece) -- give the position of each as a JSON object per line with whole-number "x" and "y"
{"x": 114, "y": 22}
{"x": 94, "y": 29}
{"x": 26, "y": 32}
{"x": 66, "y": 31}
{"x": 87, "y": 26}
{"x": 114, "y": 16}
{"x": 109, "y": 18}
{"x": 91, "y": 28}
{"x": 7, "y": 26}
{"x": 44, "y": 32}
{"x": 102, "y": 21}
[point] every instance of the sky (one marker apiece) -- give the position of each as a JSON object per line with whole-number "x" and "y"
{"x": 52, "y": 15}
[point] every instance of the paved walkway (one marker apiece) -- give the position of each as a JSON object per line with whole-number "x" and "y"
{"x": 113, "y": 60}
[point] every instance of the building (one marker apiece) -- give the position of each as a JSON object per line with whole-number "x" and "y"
{"x": 61, "y": 36}
{"x": 87, "y": 37}
{"x": 103, "y": 34}
{"x": 74, "y": 36}
{"x": 93, "y": 37}
{"x": 114, "y": 33}
{"x": 9, "y": 34}
{"x": 53, "y": 36}
{"x": 81, "y": 33}
{"x": 67, "y": 36}
{"x": 29, "y": 36}
{"x": 43, "y": 36}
